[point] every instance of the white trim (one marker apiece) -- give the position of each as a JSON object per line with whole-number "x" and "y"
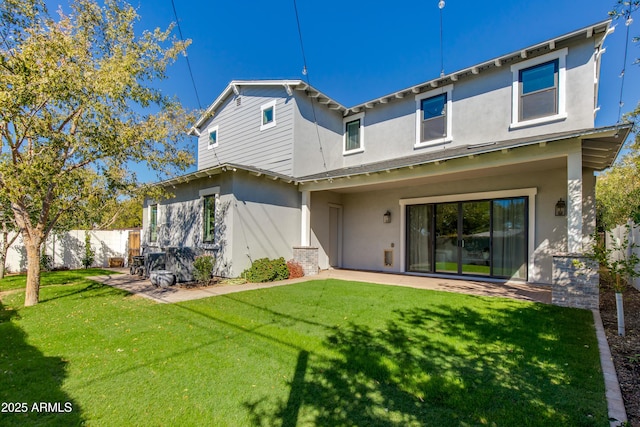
{"x": 209, "y": 191}
{"x": 463, "y": 197}
{"x": 561, "y": 56}
{"x": 305, "y": 218}
{"x": 349, "y": 119}
{"x": 209, "y": 132}
{"x": 448, "y": 89}
{"x": 272, "y": 123}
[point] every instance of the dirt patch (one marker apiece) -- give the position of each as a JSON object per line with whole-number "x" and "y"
{"x": 624, "y": 350}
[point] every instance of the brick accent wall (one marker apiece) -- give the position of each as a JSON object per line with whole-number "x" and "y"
{"x": 307, "y": 257}
{"x": 575, "y": 282}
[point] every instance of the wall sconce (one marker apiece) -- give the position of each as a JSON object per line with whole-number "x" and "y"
{"x": 561, "y": 208}
{"x": 386, "y": 218}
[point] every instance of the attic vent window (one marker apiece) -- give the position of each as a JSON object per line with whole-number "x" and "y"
{"x": 268, "y": 115}
{"x": 238, "y": 101}
{"x": 213, "y": 138}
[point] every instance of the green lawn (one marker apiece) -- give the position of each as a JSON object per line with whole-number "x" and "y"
{"x": 316, "y": 353}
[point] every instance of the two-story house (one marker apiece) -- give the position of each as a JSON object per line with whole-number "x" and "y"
{"x": 484, "y": 172}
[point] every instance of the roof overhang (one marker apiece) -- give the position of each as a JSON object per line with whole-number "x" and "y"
{"x": 224, "y": 168}
{"x": 235, "y": 88}
{"x": 600, "y": 148}
{"x": 599, "y": 31}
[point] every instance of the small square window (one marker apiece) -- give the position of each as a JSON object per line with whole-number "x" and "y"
{"x": 213, "y": 137}
{"x": 268, "y": 115}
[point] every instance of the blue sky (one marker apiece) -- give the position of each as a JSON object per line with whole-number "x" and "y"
{"x": 362, "y": 49}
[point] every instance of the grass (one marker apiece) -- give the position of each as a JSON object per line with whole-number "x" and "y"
{"x": 48, "y": 278}
{"x": 316, "y": 353}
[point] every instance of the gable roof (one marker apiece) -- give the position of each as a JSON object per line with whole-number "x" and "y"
{"x": 600, "y": 29}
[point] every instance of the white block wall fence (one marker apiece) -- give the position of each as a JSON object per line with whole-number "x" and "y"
{"x": 67, "y": 249}
{"x": 632, "y": 231}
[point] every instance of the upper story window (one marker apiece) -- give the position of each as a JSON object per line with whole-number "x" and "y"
{"x": 213, "y": 137}
{"x": 539, "y": 90}
{"x": 433, "y": 117}
{"x": 268, "y": 115}
{"x": 153, "y": 223}
{"x": 209, "y": 218}
{"x": 354, "y": 134}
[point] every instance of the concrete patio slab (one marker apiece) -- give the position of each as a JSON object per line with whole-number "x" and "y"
{"x": 515, "y": 290}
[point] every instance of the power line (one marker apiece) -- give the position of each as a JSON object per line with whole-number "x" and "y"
{"x": 305, "y": 72}
{"x": 193, "y": 82}
{"x": 441, "y": 6}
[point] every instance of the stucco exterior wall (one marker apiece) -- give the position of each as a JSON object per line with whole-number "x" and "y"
{"x": 309, "y": 139}
{"x": 481, "y": 112}
{"x": 256, "y": 217}
{"x": 266, "y": 220}
{"x": 366, "y": 237}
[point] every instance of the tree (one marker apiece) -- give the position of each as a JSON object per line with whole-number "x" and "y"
{"x": 9, "y": 235}
{"x": 618, "y": 194}
{"x": 77, "y": 109}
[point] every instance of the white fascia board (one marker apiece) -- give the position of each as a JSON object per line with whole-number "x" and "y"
{"x": 479, "y": 68}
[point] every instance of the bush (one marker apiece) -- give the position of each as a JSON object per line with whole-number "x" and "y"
{"x": 89, "y": 253}
{"x": 46, "y": 262}
{"x": 266, "y": 270}
{"x": 203, "y": 268}
{"x": 295, "y": 269}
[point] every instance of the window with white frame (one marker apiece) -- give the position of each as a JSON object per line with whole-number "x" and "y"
{"x": 268, "y": 115}
{"x": 434, "y": 117}
{"x": 153, "y": 223}
{"x": 209, "y": 218}
{"x": 209, "y": 199}
{"x": 213, "y": 137}
{"x": 353, "y": 134}
{"x": 538, "y": 90}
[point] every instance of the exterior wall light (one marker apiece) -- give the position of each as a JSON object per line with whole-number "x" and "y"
{"x": 561, "y": 208}
{"x": 386, "y": 218}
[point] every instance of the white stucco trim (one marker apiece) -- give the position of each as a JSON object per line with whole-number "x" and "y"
{"x": 530, "y": 193}
{"x": 270, "y": 104}
{"x": 305, "y": 218}
{"x": 574, "y": 202}
{"x": 448, "y": 89}
{"x": 561, "y": 56}
{"x": 210, "y": 191}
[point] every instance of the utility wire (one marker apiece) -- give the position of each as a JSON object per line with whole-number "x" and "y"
{"x": 305, "y": 72}
{"x": 195, "y": 89}
{"x": 441, "y": 6}
{"x": 627, "y": 23}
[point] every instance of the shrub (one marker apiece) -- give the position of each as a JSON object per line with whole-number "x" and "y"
{"x": 266, "y": 270}
{"x": 89, "y": 253}
{"x": 203, "y": 268}
{"x": 295, "y": 269}
{"x": 46, "y": 262}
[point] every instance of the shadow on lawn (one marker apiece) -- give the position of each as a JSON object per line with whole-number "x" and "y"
{"x": 31, "y": 391}
{"x": 442, "y": 365}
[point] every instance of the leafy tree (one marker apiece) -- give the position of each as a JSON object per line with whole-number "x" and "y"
{"x": 9, "y": 235}
{"x": 618, "y": 194}
{"x": 77, "y": 109}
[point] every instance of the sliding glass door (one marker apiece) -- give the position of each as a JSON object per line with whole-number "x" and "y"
{"x": 486, "y": 238}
